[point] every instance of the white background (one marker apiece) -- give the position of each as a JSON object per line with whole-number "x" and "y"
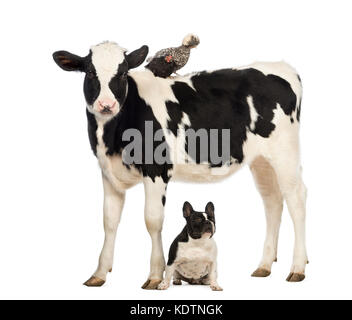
{"x": 51, "y": 228}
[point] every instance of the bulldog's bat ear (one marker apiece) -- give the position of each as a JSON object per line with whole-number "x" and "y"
{"x": 187, "y": 209}
{"x": 209, "y": 209}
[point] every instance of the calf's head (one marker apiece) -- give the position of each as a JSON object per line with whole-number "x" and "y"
{"x": 105, "y": 67}
{"x": 200, "y": 224}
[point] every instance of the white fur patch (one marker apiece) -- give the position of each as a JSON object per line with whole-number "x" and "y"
{"x": 112, "y": 167}
{"x": 155, "y": 92}
{"x": 106, "y": 58}
{"x": 253, "y": 112}
{"x": 195, "y": 256}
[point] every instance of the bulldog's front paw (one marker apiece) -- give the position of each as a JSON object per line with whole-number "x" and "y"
{"x": 163, "y": 285}
{"x": 215, "y": 287}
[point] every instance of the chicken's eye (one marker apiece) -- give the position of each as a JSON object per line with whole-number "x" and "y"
{"x": 168, "y": 58}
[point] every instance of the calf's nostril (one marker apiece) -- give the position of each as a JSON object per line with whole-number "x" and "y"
{"x": 106, "y": 106}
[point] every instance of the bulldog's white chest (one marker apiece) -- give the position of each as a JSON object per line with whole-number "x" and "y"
{"x": 113, "y": 168}
{"x": 194, "y": 258}
{"x": 193, "y": 269}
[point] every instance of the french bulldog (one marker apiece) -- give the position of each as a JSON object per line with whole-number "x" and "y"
{"x": 193, "y": 254}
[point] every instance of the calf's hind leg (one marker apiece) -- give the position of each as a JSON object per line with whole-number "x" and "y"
{"x": 267, "y": 185}
{"x": 294, "y": 192}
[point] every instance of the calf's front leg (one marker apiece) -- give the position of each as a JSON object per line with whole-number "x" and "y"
{"x": 113, "y": 205}
{"x": 155, "y": 192}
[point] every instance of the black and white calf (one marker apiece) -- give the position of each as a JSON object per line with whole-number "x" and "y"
{"x": 259, "y": 104}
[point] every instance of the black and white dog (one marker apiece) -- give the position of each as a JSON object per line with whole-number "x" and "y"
{"x": 193, "y": 254}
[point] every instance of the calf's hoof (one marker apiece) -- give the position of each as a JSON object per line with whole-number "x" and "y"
{"x": 177, "y": 282}
{"x": 261, "y": 273}
{"x": 94, "y": 282}
{"x": 151, "y": 284}
{"x": 295, "y": 277}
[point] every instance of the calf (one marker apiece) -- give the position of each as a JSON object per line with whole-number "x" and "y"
{"x": 256, "y": 107}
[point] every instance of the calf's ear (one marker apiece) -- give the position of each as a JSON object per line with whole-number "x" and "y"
{"x": 187, "y": 209}
{"x": 209, "y": 209}
{"x": 137, "y": 57}
{"x": 68, "y": 61}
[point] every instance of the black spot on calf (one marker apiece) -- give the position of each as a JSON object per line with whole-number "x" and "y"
{"x": 220, "y": 101}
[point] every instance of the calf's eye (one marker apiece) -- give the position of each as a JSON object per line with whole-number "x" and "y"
{"x": 90, "y": 74}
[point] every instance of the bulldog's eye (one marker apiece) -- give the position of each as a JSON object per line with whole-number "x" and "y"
{"x": 198, "y": 220}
